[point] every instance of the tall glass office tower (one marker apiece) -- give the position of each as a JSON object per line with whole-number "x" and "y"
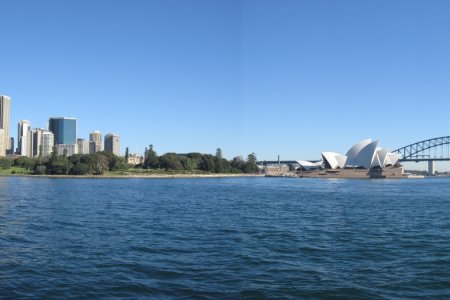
{"x": 64, "y": 129}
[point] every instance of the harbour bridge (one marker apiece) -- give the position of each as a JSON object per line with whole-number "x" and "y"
{"x": 431, "y": 150}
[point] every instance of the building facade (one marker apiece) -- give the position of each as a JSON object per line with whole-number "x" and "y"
{"x": 47, "y": 143}
{"x": 112, "y": 144}
{"x": 5, "y": 108}
{"x": 93, "y": 146}
{"x": 83, "y": 146}
{"x": 64, "y": 130}
{"x": 24, "y": 139}
{"x": 11, "y": 144}
{"x": 66, "y": 149}
{"x": 42, "y": 142}
{"x": 96, "y": 137}
{"x": 2, "y": 143}
{"x": 135, "y": 159}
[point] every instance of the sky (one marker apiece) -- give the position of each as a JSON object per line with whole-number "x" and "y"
{"x": 288, "y": 78}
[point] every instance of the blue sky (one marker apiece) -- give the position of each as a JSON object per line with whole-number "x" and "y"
{"x": 272, "y": 77}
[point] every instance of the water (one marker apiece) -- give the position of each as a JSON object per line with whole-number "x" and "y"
{"x": 251, "y": 238}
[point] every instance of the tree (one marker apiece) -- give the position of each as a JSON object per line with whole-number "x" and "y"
{"x": 170, "y": 161}
{"x": 237, "y": 164}
{"x": 58, "y": 165}
{"x": 226, "y": 168}
{"x": 151, "y": 160}
{"x": 250, "y": 165}
{"x": 190, "y": 163}
{"x": 5, "y": 163}
{"x": 24, "y": 162}
{"x": 80, "y": 169}
{"x": 39, "y": 169}
{"x": 207, "y": 164}
{"x": 98, "y": 163}
{"x": 127, "y": 154}
{"x": 218, "y": 161}
{"x": 115, "y": 162}
{"x": 39, "y": 165}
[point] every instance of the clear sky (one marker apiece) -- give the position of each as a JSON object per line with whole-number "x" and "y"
{"x": 272, "y": 77}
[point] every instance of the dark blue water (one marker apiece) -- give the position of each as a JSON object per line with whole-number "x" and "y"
{"x": 251, "y": 238}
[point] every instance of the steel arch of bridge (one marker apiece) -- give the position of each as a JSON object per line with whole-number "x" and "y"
{"x": 421, "y": 151}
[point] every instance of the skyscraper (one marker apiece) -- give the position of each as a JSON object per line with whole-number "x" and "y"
{"x": 96, "y": 137}
{"x": 112, "y": 144}
{"x": 11, "y": 148}
{"x": 24, "y": 138}
{"x": 42, "y": 142}
{"x": 83, "y": 146}
{"x": 5, "y": 107}
{"x": 47, "y": 143}
{"x": 64, "y": 130}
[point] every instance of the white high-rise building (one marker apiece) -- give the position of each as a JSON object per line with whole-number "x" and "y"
{"x": 96, "y": 137}
{"x": 66, "y": 149}
{"x": 112, "y": 144}
{"x": 47, "y": 143}
{"x": 36, "y": 138}
{"x": 2, "y": 142}
{"x": 5, "y": 107}
{"x": 24, "y": 138}
{"x": 42, "y": 142}
{"x": 83, "y": 146}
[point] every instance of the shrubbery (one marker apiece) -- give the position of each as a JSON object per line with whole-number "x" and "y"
{"x": 80, "y": 164}
{"x": 5, "y": 163}
{"x": 101, "y": 162}
{"x": 199, "y": 162}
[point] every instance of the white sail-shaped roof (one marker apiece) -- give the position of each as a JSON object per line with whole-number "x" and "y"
{"x": 382, "y": 155}
{"x": 354, "y": 151}
{"x": 376, "y": 162}
{"x": 393, "y": 158}
{"x": 362, "y": 154}
{"x": 330, "y": 159}
{"x": 334, "y": 159}
{"x": 342, "y": 160}
{"x": 307, "y": 165}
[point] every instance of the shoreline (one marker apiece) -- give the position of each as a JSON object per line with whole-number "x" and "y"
{"x": 140, "y": 176}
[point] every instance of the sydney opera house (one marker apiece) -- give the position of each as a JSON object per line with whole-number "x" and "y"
{"x": 364, "y": 160}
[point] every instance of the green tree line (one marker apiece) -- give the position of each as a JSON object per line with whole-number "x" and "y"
{"x": 101, "y": 162}
{"x": 79, "y": 164}
{"x": 198, "y": 162}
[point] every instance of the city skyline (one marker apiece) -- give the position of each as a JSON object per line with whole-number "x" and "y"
{"x": 245, "y": 76}
{"x": 59, "y": 135}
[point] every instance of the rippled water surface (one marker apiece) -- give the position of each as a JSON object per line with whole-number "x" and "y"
{"x": 224, "y": 238}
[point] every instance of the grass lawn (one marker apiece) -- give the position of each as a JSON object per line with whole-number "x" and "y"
{"x": 13, "y": 170}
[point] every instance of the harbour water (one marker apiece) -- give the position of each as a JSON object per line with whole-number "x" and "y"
{"x": 224, "y": 238}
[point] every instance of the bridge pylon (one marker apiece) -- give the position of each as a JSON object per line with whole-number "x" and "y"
{"x": 431, "y": 167}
